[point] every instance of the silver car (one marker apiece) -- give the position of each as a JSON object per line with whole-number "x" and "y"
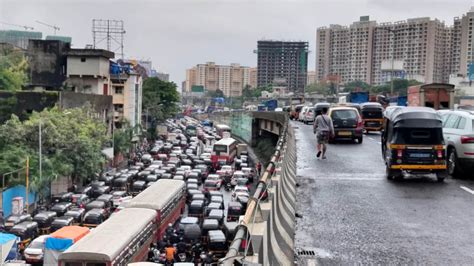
{"x": 458, "y": 131}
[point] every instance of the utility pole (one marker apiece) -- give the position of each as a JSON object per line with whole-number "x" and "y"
{"x": 27, "y": 181}
{"x": 40, "y": 152}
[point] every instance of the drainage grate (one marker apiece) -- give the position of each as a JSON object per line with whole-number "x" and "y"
{"x": 303, "y": 252}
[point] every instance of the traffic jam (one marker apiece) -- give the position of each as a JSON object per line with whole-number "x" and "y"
{"x": 178, "y": 201}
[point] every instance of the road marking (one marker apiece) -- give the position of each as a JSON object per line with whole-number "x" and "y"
{"x": 467, "y": 189}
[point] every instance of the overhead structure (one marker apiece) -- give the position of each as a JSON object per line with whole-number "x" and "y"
{"x": 54, "y": 27}
{"x": 108, "y": 34}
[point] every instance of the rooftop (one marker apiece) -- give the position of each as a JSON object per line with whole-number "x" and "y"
{"x": 91, "y": 53}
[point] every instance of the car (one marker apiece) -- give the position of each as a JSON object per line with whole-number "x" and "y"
{"x": 309, "y": 115}
{"x": 278, "y": 109}
{"x": 458, "y": 132}
{"x": 348, "y": 123}
{"x": 240, "y": 189}
{"x": 34, "y": 252}
{"x": 302, "y": 113}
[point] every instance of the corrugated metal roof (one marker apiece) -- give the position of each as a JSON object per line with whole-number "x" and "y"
{"x": 105, "y": 242}
{"x": 157, "y": 195}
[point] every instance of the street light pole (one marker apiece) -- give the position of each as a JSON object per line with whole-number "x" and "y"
{"x": 40, "y": 152}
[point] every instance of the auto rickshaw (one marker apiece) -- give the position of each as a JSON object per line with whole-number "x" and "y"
{"x": 98, "y": 191}
{"x": 234, "y": 211}
{"x": 196, "y": 209}
{"x": 372, "y": 115}
{"x": 108, "y": 199}
{"x": 218, "y": 215}
{"x": 61, "y": 208}
{"x": 208, "y": 225}
{"x": 412, "y": 142}
{"x": 192, "y": 233}
{"x": 217, "y": 243}
{"x": 62, "y": 197}
{"x": 137, "y": 187}
{"x": 97, "y": 204}
{"x": 44, "y": 220}
{"x": 121, "y": 183}
{"x": 27, "y": 231}
{"x": 61, "y": 222}
{"x": 229, "y": 229}
{"x": 15, "y": 219}
{"x": 93, "y": 218}
{"x": 77, "y": 214}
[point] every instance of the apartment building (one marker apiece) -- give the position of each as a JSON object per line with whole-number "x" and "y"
{"x": 418, "y": 48}
{"x": 230, "y": 79}
{"x": 126, "y": 89}
{"x": 311, "y": 78}
{"x": 277, "y": 60}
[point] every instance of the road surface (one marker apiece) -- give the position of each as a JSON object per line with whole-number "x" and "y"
{"x": 352, "y": 215}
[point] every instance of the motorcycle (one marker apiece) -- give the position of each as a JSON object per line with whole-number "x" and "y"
{"x": 228, "y": 186}
{"x": 182, "y": 257}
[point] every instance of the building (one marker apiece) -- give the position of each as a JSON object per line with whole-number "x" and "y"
{"x": 462, "y": 43}
{"x": 230, "y": 79}
{"x": 418, "y": 48}
{"x": 311, "y": 77}
{"x": 282, "y": 60}
{"x": 161, "y": 76}
{"x": 88, "y": 70}
{"x": 19, "y": 38}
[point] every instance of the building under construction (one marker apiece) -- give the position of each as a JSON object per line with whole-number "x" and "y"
{"x": 282, "y": 61}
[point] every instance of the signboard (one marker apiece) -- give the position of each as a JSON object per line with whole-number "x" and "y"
{"x": 470, "y": 71}
{"x": 17, "y": 205}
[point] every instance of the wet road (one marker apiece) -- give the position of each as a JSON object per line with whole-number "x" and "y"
{"x": 353, "y": 215}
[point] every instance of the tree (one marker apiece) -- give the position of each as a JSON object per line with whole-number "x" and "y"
{"x": 13, "y": 67}
{"x": 72, "y": 143}
{"x": 160, "y": 99}
{"x": 247, "y": 92}
{"x": 215, "y": 94}
{"x": 356, "y": 85}
{"x": 320, "y": 88}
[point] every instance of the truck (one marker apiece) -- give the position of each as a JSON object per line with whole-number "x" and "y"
{"x": 271, "y": 105}
{"x": 435, "y": 95}
{"x": 358, "y": 97}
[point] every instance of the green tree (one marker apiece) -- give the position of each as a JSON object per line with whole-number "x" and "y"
{"x": 160, "y": 99}
{"x": 71, "y": 142}
{"x": 215, "y": 94}
{"x": 320, "y": 88}
{"x": 13, "y": 67}
{"x": 356, "y": 85}
{"x": 247, "y": 92}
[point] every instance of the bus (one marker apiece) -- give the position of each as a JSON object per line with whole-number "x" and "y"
{"x": 220, "y": 129}
{"x": 224, "y": 151}
{"x": 123, "y": 238}
{"x": 167, "y": 197}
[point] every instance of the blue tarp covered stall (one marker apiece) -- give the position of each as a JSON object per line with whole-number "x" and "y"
{"x": 9, "y": 250}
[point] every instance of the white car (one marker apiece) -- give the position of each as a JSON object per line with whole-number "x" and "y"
{"x": 227, "y": 169}
{"x": 279, "y": 109}
{"x": 34, "y": 253}
{"x": 458, "y": 132}
{"x": 239, "y": 190}
{"x": 303, "y": 113}
{"x": 309, "y": 115}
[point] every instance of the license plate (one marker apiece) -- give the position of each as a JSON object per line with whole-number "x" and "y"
{"x": 344, "y": 133}
{"x": 420, "y": 155}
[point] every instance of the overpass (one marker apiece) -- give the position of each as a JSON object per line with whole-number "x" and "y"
{"x": 266, "y": 233}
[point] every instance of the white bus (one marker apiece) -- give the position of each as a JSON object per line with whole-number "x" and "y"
{"x": 224, "y": 151}
{"x": 220, "y": 129}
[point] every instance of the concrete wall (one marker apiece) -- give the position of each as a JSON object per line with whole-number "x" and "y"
{"x": 17, "y": 191}
{"x": 92, "y": 66}
{"x": 47, "y": 63}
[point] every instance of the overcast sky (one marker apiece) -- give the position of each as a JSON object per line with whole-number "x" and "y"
{"x": 177, "y": 34}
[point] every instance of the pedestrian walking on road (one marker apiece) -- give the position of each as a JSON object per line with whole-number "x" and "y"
{"x": 259, "y": 168}
{"x": 324, "y": 129}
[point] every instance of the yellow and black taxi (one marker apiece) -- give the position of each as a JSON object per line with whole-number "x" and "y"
{"x": 372, "y": 114}
{"x": 347, "y": 123}
{"x": 412, "y": 142}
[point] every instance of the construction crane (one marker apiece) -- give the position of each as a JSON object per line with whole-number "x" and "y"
{"x": 48, "y": 25}
{"x": 15, "y": 25}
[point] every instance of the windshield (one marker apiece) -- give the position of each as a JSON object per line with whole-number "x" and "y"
{"x": 36, "y": 245}
{"x": 219, "y": 148}
{"x": 344, "y": 114}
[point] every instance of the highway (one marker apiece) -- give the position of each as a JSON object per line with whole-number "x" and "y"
{"x": 351, "y": 214}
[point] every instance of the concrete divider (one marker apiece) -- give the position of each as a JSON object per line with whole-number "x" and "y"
{"x": 266, "y": 233}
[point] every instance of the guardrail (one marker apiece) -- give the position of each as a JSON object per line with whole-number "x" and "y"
{"x": 266, "y": 233}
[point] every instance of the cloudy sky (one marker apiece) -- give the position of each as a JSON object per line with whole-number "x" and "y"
{"x": 177, "y": 34}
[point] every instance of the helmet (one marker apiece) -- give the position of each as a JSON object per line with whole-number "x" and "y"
{"x": 170, "y": 225}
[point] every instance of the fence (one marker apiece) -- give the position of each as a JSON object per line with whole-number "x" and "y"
{"x": 266, "y": 233}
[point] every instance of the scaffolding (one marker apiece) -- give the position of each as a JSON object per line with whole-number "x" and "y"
{"x": 108, "y": 34}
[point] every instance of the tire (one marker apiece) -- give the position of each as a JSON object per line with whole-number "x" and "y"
{"x": 441, "y": 176}
{"x": 359, "y": 140}
{"x": 391, "y": 174}
{"x": 453, "y": 164}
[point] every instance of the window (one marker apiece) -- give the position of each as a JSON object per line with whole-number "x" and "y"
{"x": 451, "y": 121}
{"x": 118, "y": 90}
{"x": 83, "y": 59}
{"x": 462, "y": 123}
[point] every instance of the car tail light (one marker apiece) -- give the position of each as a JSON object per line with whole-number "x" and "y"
{"x": 440, "y": 154}
{"x": 399, "y": 153}
{"x": 360, "y": 123}
{"x": 467, "y": 139}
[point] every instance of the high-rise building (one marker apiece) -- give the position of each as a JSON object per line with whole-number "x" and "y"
{"x": 418, "y": 48}
{"x": 282, "y": 60}
{"x": 311, "y": 79}
{"x": 463, "y": 42}
{"x": 230, "y": 79}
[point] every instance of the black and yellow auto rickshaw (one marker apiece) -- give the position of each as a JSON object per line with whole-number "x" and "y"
{"x": 372, "y": 114}
{"x": 27, "y": 231}
{"x": 412, "y": 142}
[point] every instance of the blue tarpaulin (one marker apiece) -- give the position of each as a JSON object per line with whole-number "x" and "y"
{"x": 59, "y": 244}
{"x": 4, "y": 238}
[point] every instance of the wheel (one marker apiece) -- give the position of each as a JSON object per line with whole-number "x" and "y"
{"x": 441, "y": 176}
{"x": 453, "y": 165}
{"x": 393, "y": 174}
{"x": 359, "y": 140}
